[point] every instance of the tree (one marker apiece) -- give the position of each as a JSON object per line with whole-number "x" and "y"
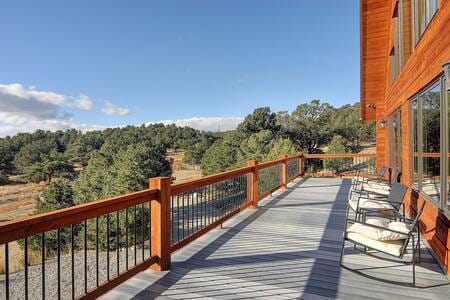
{"x": 222, "y": 154}
{"x": 33, "y": 153}
{"x": 3, "y": 178}
{"x": 282, "y": 146}
{"x": 257, "y": 146}
{"x": 309, "y": 126}
{"x": 57, "y": 195}
{"x": 53, "y": 165}
{"x": 338, "y": 145}
{"x": 261, "y": 119}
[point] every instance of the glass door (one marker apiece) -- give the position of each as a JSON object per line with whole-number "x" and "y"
{"x": 395, "y": 141}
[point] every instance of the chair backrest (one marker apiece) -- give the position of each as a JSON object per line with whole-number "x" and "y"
{"x": 397, "y": 192}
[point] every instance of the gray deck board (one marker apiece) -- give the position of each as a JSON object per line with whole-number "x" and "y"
{"x": 288, "y": 248}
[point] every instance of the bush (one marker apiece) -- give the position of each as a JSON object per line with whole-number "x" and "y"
{"x": 3, "y": 179}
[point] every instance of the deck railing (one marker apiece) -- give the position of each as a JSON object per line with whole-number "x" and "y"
{"x": 84, "y": 251}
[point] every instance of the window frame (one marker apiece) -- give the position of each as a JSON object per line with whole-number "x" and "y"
{"x": 417, "y": 36}
{"x": 441, "y": 203}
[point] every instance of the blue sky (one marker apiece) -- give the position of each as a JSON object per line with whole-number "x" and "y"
{"x": 108, "y": 63}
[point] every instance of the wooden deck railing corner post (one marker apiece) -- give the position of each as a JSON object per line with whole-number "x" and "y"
{"x": 161, "y": 223}
{"x": 284, "y": 175}
{"x": 300, "y": 163}
{"x": 252, "y": 184}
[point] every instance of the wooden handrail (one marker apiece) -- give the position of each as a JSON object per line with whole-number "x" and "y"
{"x": 268, "y": 164}
{"x": 342, "y": 155}
{"x": 15, "y": 230}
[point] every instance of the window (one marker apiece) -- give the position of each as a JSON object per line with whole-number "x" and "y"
{"x": 395, "y": 53}
{"x": 424, "y": 11}
{"x": 415, "y": 143}
{"x": 430, "y": 101}
{"x": 447, "y": 123}
{"x": 395, "y": 132}
{"x": 406, "y": 30}
{"x": 426, "y": 141}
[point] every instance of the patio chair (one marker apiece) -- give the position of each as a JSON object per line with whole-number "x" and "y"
{"x": 390, "y": 238}
{"x": 377, "y": 177}
{"x": 387, "y": 206}
{"x": 375, "y": 188}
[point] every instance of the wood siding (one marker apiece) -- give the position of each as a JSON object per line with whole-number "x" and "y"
{"x": 423, "y": 67}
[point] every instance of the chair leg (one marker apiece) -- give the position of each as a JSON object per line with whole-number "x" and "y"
{"x": 414, "y": 262}
{"x": 342, "y": 249}
{"x": 418, "y": 241}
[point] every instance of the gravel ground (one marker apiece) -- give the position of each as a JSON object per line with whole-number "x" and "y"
{"x": 17, "y": 280}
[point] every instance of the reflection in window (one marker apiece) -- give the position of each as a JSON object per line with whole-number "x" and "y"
{"x": 448, "y": 155}
{"x": 424, "y": 12}
{"x": 430, "y": 102}
{"x": 406, "y": 30}
{"x": 415, "y": 145}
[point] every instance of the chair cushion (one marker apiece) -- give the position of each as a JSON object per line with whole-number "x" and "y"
{"x": 378, "y": 233}
{"x": 369, "y": 204}
{"x": 379, "y": 186}
{"x": 372, "y": 189}
{"x": 391, "y": 247}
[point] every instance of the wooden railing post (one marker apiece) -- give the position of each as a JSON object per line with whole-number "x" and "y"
{"x": 160, "y": 223}
{"x": 284, "y": 175}
{"x": 252, "y": 184}
{"x": 300, "y": 163}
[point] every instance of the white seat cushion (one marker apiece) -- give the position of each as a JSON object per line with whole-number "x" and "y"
{"x": 379, "y": 186}
{"x": 380, "y": 234}
{"x": 391, "y": 247}
{"x": 375, "y": 190}
{"x": 369, "y": 204}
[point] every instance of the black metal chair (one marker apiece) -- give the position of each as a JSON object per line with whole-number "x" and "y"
{"x": 396, "y": 248}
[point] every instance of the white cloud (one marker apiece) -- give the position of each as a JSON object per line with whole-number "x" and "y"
{"x": 207, "y": 124}
{"x": 25, "y": 110}
{"x": 112, "y": 109}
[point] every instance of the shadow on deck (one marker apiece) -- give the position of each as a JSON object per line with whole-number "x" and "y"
{"x": 287, "y": 248}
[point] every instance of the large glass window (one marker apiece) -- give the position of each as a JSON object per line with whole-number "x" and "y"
{"x": 431, "y": 108}
{"x": 448, "y": 150}
{"x": 424, "y": 11}
{"x": 415, "y": 142}
{"x": 406, "y": 30}
{"x": 395, "y": 53}
{"x": 395, "y": 140}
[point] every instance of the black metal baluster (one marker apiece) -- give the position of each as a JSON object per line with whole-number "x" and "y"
{"x": 126, "y": 238}
{"x": 172, "y": 208}
{"x": 96, "y": 251}
{"x": 189, "y": 212}
{"x": 117, "y": 243}
{"x": 7, "y": 270}
{"x": 149, "y": 230}
{"x": 58, "y": 233}
{"x": 72, "y": 267}
{"x": 135, "y": 235}
{"x": 178, "y": 217}
{"x": 182, "y": 201}
{"x": 107, "y": 247}
{"x": 26, "y": 266}
{"x": 196, "y": 210}
{"x": 142, "y": 233}
{"x": 43, "y": 264}
{"x": 85, "y": 257}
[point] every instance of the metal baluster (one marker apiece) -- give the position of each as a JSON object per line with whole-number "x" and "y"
{"x": 85, "y": 256}
{"x": 135, "y": 235}
{"x": 172, "y": 208}
{"x": 196, "y": 210}
{"x": 96, "y": 251}
{"x": 26, "y": 266}
{"x": 72, "y": 240}
{"x": 107, "y": 247}
{"x": 126, "y": 238}
{"x": 143, "y": 219}
{"x": 117, "y": 243}
{"x": 59, "y": 261}
{"x": 182, "y": 200}
{"x": 7, "y": 270}
{"x": 178, "y": 218}
{"x": 43, "y": 264}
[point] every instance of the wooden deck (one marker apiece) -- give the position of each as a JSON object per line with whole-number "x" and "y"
{"x": 287, "y": 248}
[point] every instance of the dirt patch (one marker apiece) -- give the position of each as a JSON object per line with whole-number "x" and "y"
{"x": 17, "y": 200}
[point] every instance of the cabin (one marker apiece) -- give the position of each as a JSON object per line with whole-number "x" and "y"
{"x": 405, "y": 62}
